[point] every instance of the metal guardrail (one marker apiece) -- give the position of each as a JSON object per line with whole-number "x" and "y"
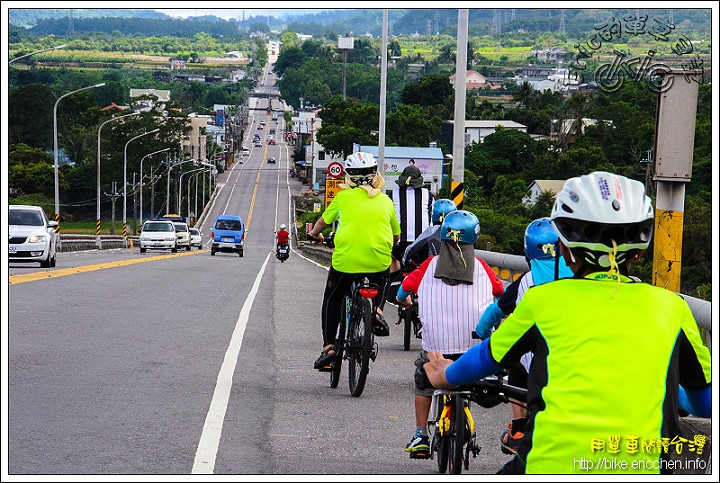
{"x": 509, "y": 267}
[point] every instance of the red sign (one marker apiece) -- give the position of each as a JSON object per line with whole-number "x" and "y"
{"x": 335, "y": 170}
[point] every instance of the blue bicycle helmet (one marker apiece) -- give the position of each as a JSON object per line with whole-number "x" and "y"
{"x": 460, "y": 226}
{"x": 440, "y": 209}
{"x": 540, "y": 240}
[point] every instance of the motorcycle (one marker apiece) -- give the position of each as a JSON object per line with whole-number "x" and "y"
{"x": 282, "y": 252}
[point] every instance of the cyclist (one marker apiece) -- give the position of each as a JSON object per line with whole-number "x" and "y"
{"x": 367, "y": 231}
{"x": 413, "y": 206}
{"x": 428, "y": 243}
{"x": 546, "y": 264}
{"x": 612, "y": 357}
{"x": 453, "y": 289}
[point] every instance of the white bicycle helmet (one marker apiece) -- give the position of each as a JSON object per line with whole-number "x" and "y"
{"x": 593, "y": 211}
{"x": 282, "y": 226}
{"x": 361, "y": 167}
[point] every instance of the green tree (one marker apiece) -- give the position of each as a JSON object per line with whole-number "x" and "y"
{"x": 32, "y": 115}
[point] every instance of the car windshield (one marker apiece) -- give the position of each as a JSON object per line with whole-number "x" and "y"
{"x": 179, "y": 227}
{"x": 25, "y": 218}
{"x": 158, "y": 227}
{"x": 233, "y": 225}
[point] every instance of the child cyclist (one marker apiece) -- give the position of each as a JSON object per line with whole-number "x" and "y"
{"x": 453, "y": 289}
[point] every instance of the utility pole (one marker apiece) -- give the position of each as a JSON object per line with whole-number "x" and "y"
{"x": 457, "y": 185}
{"x": 674, "y": 143}
{"x": 113, "y": 196}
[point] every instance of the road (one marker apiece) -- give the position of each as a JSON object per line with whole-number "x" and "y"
{"x": 159, "y": 364}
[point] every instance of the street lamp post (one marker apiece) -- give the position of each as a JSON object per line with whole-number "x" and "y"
{"x": 125, "y": 179}
{"x": 141, "y": 178}
{"x": 180, "y": 188}
{"x": 55, "y": 134}
{"x": 97, "y": 227}
{"x": 170, "y": 167}
{"x": 36, "y": 52}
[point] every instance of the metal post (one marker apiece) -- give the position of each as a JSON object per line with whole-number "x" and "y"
{"x": 141, "y": 178}
{"x": 125, "y": 179}
{"x": 97, "y": 228}
{"x": 55, "y": 135}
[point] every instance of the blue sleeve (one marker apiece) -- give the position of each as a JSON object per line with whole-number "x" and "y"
{"x": 489, "y": 319}
{"x": 473, "y": 365}
{"x": 402, "y": 294}
{"x": 697, "y": 402}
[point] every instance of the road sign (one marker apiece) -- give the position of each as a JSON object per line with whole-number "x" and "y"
{"x": 335, "y": 170}
{"x": 332, "y": 187}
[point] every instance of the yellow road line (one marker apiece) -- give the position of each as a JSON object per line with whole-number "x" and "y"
{"x": 32, "y": 277}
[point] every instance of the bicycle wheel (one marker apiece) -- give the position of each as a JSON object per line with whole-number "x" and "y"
{"x": 457, "y": 435}
{"x": 407, "y": 318}
{"x": 339, "y": 347}
{"x": 441, "y": 439}
{"x": 359, "y": 345}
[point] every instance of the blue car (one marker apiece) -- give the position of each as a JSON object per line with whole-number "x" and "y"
{"x": 228, "y": 234}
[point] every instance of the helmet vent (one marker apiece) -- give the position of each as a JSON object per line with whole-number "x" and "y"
{"x": 616, "y": 205}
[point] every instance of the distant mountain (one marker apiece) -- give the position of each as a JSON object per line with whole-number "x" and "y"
{"x": 28, "y": 17}
{"x": 575, "y": 23}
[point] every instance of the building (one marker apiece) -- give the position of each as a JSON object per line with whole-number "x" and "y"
{"x": 476, "y": 131}
{"x": 396, "y": 158}
{"x": 473, "y": 80}
{"x": 161, "y": 96}
{"x": 540, "y": 186}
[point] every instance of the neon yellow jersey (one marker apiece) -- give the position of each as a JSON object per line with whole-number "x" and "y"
{"x": 364, "y": 236}
{"x": 602, "y": 391}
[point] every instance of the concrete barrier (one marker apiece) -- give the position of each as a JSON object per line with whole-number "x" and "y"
{"x": 70, "y": 242}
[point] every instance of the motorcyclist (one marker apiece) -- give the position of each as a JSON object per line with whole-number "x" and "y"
{"x": 282, "y": 236}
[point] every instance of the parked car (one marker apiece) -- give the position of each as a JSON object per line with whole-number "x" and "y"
{"x": 228, "y": 235}
{"x": 32, "y": 236}
{"x": 271, "y": 160}
{"x": 158, "y": 235}
{"x": 195, "y": 238}
{"x": 183, "y": 235}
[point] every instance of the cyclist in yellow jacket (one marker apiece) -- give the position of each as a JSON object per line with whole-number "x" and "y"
{"x": 613, "y": 358}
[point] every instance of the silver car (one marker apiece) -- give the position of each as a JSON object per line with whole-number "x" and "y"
{"x": 32, "y": 236}
{"x": 195, "y": 238}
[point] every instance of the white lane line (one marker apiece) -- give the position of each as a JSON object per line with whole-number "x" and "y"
{"x": 212, "y": 430}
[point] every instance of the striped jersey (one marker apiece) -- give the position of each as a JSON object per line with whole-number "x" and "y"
{"x": 413, "y": 208}
{"x": 449, "y": 313}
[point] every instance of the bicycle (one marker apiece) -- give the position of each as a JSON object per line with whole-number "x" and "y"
{"x": 409, "y": 315}
{"x": 411, "y": 320}
{"x": 451, "y": 426}
{"x": 355, "y": 340}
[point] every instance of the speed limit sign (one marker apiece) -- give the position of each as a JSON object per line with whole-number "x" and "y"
{"x": 335, "y": 170}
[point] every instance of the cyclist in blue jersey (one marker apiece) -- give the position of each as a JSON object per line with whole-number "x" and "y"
{"x": 546, "y": 264}
{"x": 613, "y": 358}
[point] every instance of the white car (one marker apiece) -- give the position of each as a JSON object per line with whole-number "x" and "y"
{"x": 158, "y": 235}
{"x": 195, "y": 238}
{"x": 32, "y": 236}
{"x": 183, "y": 234}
